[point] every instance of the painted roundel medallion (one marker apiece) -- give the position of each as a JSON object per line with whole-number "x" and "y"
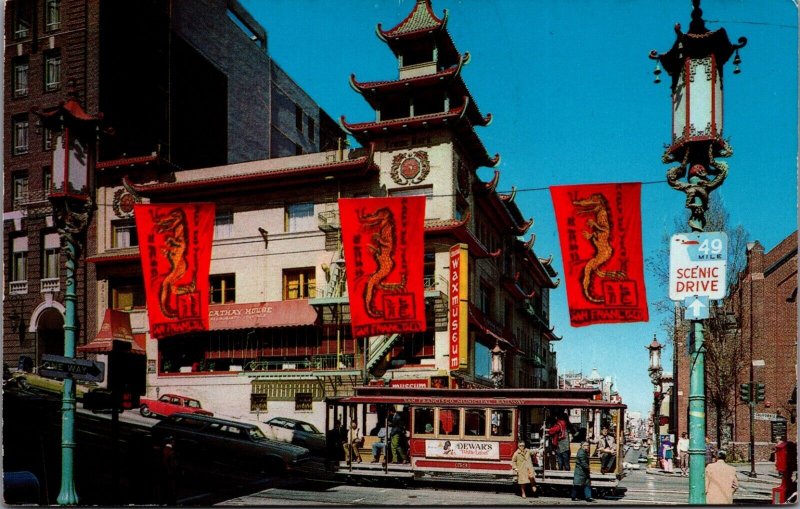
{"x": 123, "y": 203}
{"x": 410, "y": 168}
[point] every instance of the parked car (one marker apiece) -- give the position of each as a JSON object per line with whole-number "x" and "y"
{"x": 232, "y": 444}
{"x": 169, "y": 404}
{"x": 297, "y": 432}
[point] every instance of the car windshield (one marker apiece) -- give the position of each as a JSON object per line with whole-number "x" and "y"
{"x": 309, "y": 428}
{"x": 256, "y": 434}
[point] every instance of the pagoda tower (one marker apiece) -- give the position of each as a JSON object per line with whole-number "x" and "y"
{"x": 425, "y": 143}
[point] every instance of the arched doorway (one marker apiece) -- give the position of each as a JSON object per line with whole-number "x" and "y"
{"x": 49, "y": 334}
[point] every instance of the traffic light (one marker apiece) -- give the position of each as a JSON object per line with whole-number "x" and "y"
{"x": 744, "y": 392}
{"x": 760, "y": 392}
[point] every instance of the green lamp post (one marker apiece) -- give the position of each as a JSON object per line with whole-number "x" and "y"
{"x": 71, "y": 198}
{"x": 695, "y": 63}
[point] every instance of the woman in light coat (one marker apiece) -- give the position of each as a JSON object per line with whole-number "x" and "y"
{"x": 523, "y": 466}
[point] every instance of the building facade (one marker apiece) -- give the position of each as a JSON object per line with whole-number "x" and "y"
{"x": 180, "y": 84}
{"x": 280, "y": 339}
{"x": 762, "y": 305}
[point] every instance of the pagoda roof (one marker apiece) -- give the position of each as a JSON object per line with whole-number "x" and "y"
{"x": 455, "y": 118}
{"x": 458, "y": 229}
{"x": 449, "y": 78}
{"x": 129, "y": 254}
{"x": 277, "y": 176}
{"x": 127, "y": 162}
{"x": 419, "y": 23}
{"x": 69, "y": 110}
{"x": 541, "y": 267}
{"x": 504, "y": 212}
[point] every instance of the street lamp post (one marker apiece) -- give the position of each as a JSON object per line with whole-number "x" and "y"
{"x": 71, "y": 198}
{"x": 655, "y": 370}
{"x": 695, "y": 64}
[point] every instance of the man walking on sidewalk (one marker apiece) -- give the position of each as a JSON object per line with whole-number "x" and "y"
{"x": 683, "y": 453}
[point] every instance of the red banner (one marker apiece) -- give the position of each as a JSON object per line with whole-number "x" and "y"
{"x": 175, "y": 248}
{"x": 600, "y": 228}
{"x": 383, "y": 252}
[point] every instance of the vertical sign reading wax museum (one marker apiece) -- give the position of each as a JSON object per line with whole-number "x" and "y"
{"x": 457, "y": 323}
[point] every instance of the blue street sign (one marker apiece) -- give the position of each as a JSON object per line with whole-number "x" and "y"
{"x": 56, "y": 366}
{"x": 696, "y": 307}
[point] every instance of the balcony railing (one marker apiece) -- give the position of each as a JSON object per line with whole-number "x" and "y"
{"x": 17, "y": 287}
{"x": 329, "y": 220}
{"x": 51, "y": 285}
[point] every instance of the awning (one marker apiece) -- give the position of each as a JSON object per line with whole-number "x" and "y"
{"x": 116, "y": 327}
{"x": 254, "y": 315}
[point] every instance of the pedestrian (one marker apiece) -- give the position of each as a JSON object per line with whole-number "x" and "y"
{"x": 683, "y": 454}
{"x": 581, "y": 479}
{"x": 354, "y": 442}
{"x": 666, "y": 455}
{"x": 379, "y": 445}
{"x": 711, "y": 451}
{"x": 607, "y": 451}
{"x": 522, "y": 465}
{"x": 169, "y": 463}
{"x": 559, "y": 434}
{"x": 721, "y": 481}
{"x": 333, "y": 445}
{"x": 397, "y": 437}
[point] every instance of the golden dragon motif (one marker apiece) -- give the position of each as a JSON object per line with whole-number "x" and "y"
{"x": 382, "y": 247}
{"x": 176, "y": 240}
{"x": 598, "y": 233}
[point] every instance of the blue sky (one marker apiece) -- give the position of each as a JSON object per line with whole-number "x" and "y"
{"x": 571, "y": 90}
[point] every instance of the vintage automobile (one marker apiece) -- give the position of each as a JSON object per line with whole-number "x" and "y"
{"x": 296, "y": 432}
{"x": 169, "y": 404}
{"x": 228, "y": 444}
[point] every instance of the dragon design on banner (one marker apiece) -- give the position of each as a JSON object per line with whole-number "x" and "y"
{"x": 382, "y": 245}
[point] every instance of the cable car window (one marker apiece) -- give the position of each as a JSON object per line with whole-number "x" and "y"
{"x": 502, "y": 423}
{"x": 475, "y": 422}
{"x": 449, "y": 421}
{"x": 423, "y": 421}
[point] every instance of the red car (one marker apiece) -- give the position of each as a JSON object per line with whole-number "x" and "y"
{"x": 169, "y": 404}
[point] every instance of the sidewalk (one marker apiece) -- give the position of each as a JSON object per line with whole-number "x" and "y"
{"x": 765, "y": 472}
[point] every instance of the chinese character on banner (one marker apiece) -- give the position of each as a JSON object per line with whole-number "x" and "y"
{"x": 600, "y": 229}
{"x": 383, "y": 252}
{"x": 175, "y": 249}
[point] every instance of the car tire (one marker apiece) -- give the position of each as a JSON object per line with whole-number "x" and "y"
{"x": 273, "y": 467}
{"x": 145, "y": 411}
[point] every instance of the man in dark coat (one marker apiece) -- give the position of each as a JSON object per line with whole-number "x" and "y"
{"x": 581, "y": 477}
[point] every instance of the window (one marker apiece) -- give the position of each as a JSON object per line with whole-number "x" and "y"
{"x": 475, "y": 422}
{"x": 299, "y": 217}
{"x": 51, "y": 249}
{"x": 298, "y": 117}
{"x": 22, "y": 19}
{"x": 223, "y": 224}
{"x": 302, "y": 401}
{"x": 501, "y": 423}
{"x": 423, "y": 421}
{"x": 52, "y": 15}
{"x": 223, "y": 288}
{"x": 299, "y": 284}
{"x": 19, "y": 190}
{"x": 20, "y": 77}
{"x": 429, "y": 271}
{"x": 449, "y": 423}
{"x": 123, "y": 234}
{"x": 311, "y": 128}
{"x": 47, "y": 139}
{"x": 127, "y": 296}
{"x": 19, "y": 259}
{"x": 52, "y": 70}
{"x": 47, "y": 180}
{"x": 485, "y": 300}
{"x": 20, "y": 134}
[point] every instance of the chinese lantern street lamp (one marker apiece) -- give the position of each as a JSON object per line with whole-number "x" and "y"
{"x": 695, "y": 64}
{"x": 498, "y": 371}
{"x": 71, "y": 198}
{"x": 655, "y": 371}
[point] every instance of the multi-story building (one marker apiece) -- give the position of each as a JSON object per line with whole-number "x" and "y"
{"x": 280, "y": 338}
{"x": 762, "y": 311}
{"x": 180, "y": 84}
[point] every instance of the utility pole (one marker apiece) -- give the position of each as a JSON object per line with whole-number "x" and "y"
{"x": 694, "y": 64}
